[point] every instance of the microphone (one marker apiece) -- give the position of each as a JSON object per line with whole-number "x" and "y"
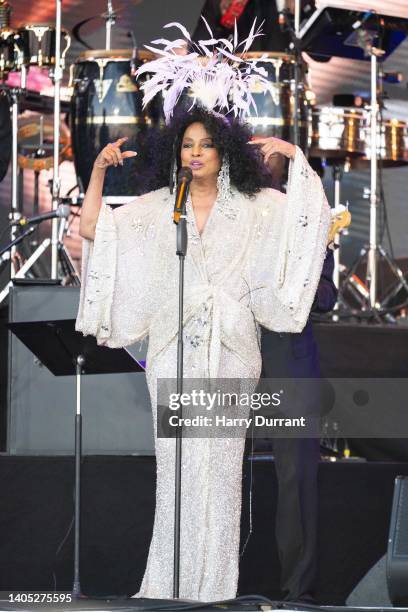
{"x": 61, "y": 212}
{"x": 184, "y": 179}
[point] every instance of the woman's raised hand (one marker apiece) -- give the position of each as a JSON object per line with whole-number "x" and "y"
{"x": 111, "y": 155}
{"x": 272, "y": 146}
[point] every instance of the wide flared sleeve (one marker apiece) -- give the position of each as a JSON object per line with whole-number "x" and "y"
{"x": 117, "y": 299}
{"x": 288, "y": 249}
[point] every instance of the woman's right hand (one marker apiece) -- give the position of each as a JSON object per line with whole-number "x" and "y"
{"x": 111, "y": 155}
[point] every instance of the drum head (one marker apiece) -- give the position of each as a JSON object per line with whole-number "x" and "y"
{"x": 268, "y": 55}
{"x": 114, "y": 55}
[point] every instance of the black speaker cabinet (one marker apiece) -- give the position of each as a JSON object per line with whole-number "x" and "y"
{"x": 40, "y": 407}
{"x": 397, "y": 553}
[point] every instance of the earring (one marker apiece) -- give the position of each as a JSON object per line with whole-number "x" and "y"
{"x": 174, "y": 175}
{"x": 173, "y": 169}
{"x": 223, "y": 181}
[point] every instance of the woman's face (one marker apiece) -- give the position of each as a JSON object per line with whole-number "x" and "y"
{"x": 199, "y": 153}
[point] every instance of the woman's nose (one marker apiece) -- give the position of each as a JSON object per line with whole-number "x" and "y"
{"x": 196, "y": 150}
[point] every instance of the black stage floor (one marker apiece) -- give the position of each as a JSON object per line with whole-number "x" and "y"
{"x": 132, "y": 605}
{"x": 36, "y": 512}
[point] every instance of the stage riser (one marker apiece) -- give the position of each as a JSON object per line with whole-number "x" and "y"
{"x": 117, "y": 518}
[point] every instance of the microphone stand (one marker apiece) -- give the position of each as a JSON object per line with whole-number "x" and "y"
{"x": 13, "y": 243}
{"x": 181, "y": 251}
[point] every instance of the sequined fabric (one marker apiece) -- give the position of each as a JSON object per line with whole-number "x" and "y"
{"x": 257, "y": 261}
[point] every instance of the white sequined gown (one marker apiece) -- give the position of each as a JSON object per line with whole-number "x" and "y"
{"x": 257, "y": 262}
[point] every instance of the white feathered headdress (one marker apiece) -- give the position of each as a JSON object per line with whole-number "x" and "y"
{"x": 214, "y": 72}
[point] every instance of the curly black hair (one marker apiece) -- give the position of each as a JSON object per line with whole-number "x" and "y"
{"x": 248, "y": 173}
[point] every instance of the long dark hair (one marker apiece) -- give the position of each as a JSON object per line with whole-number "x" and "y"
{"x": 248, "y": 172}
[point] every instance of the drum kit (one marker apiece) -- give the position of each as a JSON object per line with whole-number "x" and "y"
{"x": 106, "y": 103}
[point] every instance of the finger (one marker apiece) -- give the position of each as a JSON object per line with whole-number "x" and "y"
{"x": 268, "y": 149}
{"x": 118, "y": 156}
{"x": 113, "y": 155}
{"x": 257, "y": 141}
{"x": 109, "y": 157}
{"x": 119, "y": 141}
{"x": 264, "y": 150}
{"x": 270, "y": 155}
{"x": 126, "y": 154}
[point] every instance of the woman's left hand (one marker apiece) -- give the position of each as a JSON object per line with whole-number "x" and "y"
{"x": 272, "y": 146}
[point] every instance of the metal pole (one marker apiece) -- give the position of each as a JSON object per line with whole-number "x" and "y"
{"x": 372, "y": 252}
{"x": 14, "y": 153}
{"x": 297, "y": 18}
{"x": 76, "y": 587}
{"x": 181, "y": 240}
{"x": 15, "y": 205}
{"x": 179, "y": 438}
{"x": 23, "y": 77}
{"x": 296, "y": 132}
{"x": 110, "y": 20}
{"x": 336, "y": 253}
{"x": 56, "y": 183}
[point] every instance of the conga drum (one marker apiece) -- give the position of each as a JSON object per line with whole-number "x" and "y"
{"x": 107, "y": 105}
{"x": 275, "y": 109}
{"x": 38, "y": 43}
{"x": 10, "y": 55}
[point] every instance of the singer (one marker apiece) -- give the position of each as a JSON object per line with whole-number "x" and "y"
{"x": 239, "y": 273}
{"x": 254, "y": 258}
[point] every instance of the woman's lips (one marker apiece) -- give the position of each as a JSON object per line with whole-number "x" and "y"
{"x": 195, "y": 165}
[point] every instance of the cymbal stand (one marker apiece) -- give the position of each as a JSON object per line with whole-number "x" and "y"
{"x": 69, "y": 273}
{"x": 14, "y": 94}
{"x": 110, "y": 19}
{"x": 298, "y": 55}
{"x": 56, "y": 181}
{"x": 375, "y": 251}
{"x": 293, "y": 30}
{"x": 27, "y": 264}
{"x": 38, "y": 155}
{"x": 337, "y": 177}
{"x": 58, "y": 228}
{"x": 372, "y": 251}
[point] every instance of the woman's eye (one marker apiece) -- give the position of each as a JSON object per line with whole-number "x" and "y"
{"x": 186, "y": 146}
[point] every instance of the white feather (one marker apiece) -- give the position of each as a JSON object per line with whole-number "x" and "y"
{"x": 214, "y": 73}
{"x": 175, "y": 24}
{"x": 207, "y": 26}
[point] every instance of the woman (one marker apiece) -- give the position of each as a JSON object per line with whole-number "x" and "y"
{"x": 254, "y": 258}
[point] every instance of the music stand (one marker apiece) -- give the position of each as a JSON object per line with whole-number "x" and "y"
{"x": 66, "y": 352}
